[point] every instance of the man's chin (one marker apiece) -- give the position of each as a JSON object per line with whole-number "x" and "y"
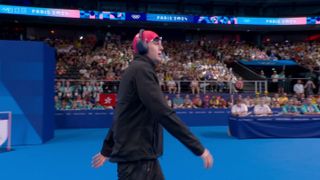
{"x": 158, "y": 61}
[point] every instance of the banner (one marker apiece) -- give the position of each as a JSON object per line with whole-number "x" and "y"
{"x": 102, "y": 15}
{"x": 267, "y": 21}
{"x": 37, "y": 11}
{"x": 215, "y": 20}
{"x": 171, "y": 18}
{"x": 136, "y": 17}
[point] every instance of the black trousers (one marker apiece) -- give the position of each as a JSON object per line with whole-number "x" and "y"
{"x": 140, "y": 170}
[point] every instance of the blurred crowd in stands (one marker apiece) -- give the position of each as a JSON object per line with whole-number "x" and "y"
{"x": 306, "y": 54}
{"x": 192, "y": 75}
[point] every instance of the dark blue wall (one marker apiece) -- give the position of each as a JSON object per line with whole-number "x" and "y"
{"x": 27, "y": 89}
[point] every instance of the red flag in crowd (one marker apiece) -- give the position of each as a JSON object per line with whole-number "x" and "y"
{"x": 107, "y": 99}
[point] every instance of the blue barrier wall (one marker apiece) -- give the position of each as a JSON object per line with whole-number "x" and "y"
{"x": 27, "y": 89}
{"x": 103, "y": 118}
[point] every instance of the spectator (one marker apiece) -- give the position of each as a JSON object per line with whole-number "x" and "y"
{"x": 75, "y": 106}
{"x": 172, "y": 86}
{"x": 298, "y": 88}
{"x": 79, "y": 101}
{"x": 161, "y": 81}
{"x": 250, "y": 102}
{"x": 218, "y": 102}
{"x": 274, "y": 81}
{"x": 239, "y": 84}
{"x": 197, "y": 102}
{"x": 98, "y": 106}
{"x": 309, "y": 108}
{"x": 57, "y": 103}
{"x": 281, "y": 82}
{"x": 169, "y": 102}
{"x": 318, "y": 103}
{"x": 298, "y": 103}
{"x": 87, "y": 89}
{"x": 290, "y": 108}
{"x": 58, "y": 89}
{"x": 267, "y": 99}
{"x": 220, "y": 84}
{"x": 239, "y": 109}
{"x": 206, "y": 101}
{"x": 309, "y": 87}
{"x": 261, "y": 108}
{"x": 65, "y": 105}
{"x": 96, "y": 90}
{"x": 188, "y": 102}
{"x": 262, "y": 75}
{"x": 178, "y": 102}
{"x": 283, "y": 99}
{"x": 195, "y": 88}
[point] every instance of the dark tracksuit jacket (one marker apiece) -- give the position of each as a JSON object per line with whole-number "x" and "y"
{"x": 140, "y": 113}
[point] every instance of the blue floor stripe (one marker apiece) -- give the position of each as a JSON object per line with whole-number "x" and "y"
{"x": 68, "y": 156}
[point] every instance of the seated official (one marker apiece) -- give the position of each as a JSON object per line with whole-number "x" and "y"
{"x": 290, "y": 108}
{"x": 239, "y": 109}
{"x": 309, "y": 108}
{"x": 261, "y": 109}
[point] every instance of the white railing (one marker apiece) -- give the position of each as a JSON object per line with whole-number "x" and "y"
{"x": 206, "y": 86}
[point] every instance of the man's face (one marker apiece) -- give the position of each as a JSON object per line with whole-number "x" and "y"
{"x": 239, "y": 103}
{"x": 261, "y": 102}
{"x": 155, "y": 50}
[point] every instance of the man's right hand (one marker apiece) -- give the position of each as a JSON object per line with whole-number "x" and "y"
{"x": 207, "y": 159}
{"x": 98, "y": 160}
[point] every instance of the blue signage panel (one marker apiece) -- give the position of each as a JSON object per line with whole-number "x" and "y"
{"x": 36, "y": 11}
{"x": 269, "y": 63}
{"x": 272, "y": 21}
{"x": 136, "y": 17}
{"x": 170, "y": 18}
{"x": 106, "y": 15}
{"x": 215, "y": 20}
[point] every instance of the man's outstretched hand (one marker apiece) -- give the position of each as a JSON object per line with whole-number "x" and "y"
{"x": 207, "y": 159}
{"x": 98, "y": 160}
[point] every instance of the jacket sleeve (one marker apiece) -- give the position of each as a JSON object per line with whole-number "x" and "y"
{"x": 151, "y": 96}
{"x": 107, "y": 144}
